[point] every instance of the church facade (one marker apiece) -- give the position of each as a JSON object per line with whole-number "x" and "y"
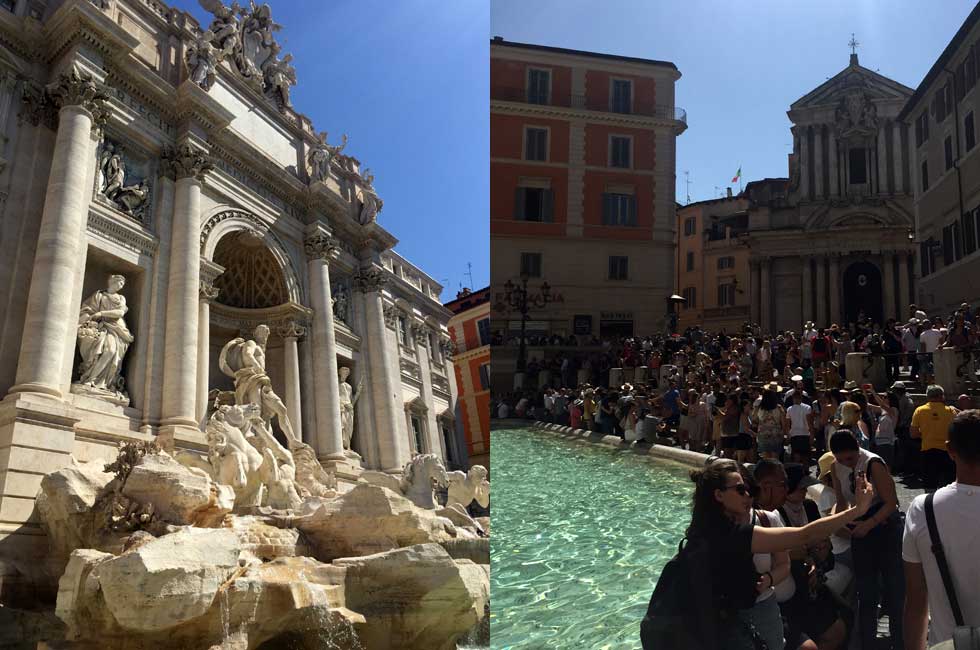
{"x": 161, "y": 196}
{"x": 834, "y": 241}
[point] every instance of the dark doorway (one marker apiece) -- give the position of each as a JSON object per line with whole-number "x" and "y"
{"x": 615, "y": 329}
{"x": 862, "y": 292}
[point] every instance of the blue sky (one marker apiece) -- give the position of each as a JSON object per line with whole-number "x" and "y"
{"x": 409, "y": 82}
{"x": 743, "y": 63}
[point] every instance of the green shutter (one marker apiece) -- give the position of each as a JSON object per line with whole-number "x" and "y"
{"x": 520, "y": 201}
{"x": 547, "y": 206}
{"x": 632, "y": 210}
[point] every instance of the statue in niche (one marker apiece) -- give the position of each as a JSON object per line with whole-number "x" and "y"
{"x": 131, "y": 199}
{"x": 103, "y": 340}
{"x": 341, "y": 304}
{"x": 347, "y": 404}
{"x": 244, "y": 361}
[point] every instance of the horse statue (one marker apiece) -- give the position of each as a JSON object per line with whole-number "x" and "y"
{"x": 465, "y": 488}
{"x": 419, "y": 478}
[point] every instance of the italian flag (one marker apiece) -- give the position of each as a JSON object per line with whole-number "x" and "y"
{"x": 738, "y": 175}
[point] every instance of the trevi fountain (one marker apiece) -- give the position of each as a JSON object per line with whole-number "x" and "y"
{"x": 229, "y": 412}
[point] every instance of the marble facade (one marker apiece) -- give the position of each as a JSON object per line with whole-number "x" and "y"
{"x": 228, "y": 211}
{"x": 835, "y": 237}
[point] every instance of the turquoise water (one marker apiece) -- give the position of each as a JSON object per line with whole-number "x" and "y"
{"x": 580, "y": 534}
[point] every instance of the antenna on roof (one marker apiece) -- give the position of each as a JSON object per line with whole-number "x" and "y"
{"x": 687, "y": 182}
{"x": 469, "y": 272}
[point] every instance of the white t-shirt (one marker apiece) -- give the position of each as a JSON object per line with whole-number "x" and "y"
{"x": 797, "y": 416}
{"x": 930, "y": 339}
{"x": 957, "y": 508}
{"x": 826, "y": 500}
{"x": 763, "y": 564}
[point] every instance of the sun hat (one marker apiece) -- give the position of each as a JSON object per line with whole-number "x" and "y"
{"x": 850, "y": 384}
{"x": 773, "y": 386}
{"x": 825, "y": 463}
{"x": 796, "y": 378}
{"x": 898, "y": 385}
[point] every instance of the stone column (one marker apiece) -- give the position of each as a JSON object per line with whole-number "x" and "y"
{"x": 805, "y": 163}
{"x": 807, "y": 290}
{"x": 897, "y": 158}
{"x": 881, "y": 168}
{"x": 208, "y": 292}
{"x": 320, "y": 249}
{"x": 290, "y": 333}
{"x": 49, "y": 324}
{"x": 835, "y": 315}
{"x": 393, "y": 447}
{"x": 306, "y": 388}
{"x": 818, "y": 188}
{"x": 764, "y": 297}
{"x": 888, "y": 262}
{"x": 903, "y": 285}
{"x": 822, "y": 319}
{"x": 753, "y": 291}
{"x": 189, "y": 165}
{"x": 832, "y": 155}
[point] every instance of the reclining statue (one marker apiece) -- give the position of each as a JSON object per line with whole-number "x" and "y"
{"x": 465, "y": 488}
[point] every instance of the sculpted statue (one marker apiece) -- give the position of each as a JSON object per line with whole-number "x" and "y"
{"x": 372, "y": 206}
{"x": 465, "y": 488}
{"x": 202, "y": 60}
{"x": 225, "y": 27}
{"x": 318, "y": 161}
{"x": 244, "y": 361}
{"x": 341, "y": 303}
{"x": 421, "y": 475}
{"x": 279, "y": 75}
{"x": 131, "y": 199}
{"x": 259, "y": 470}
{"x": 103, "y": 339}
{"x": 347, "y": 405}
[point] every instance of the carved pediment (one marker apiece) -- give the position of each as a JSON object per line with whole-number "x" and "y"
{"x": 852, "y": 81}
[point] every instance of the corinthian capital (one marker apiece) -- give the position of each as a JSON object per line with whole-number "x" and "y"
{"x": 208, "y": 291}
{"x": 186, "y": 161}
{"x": 370, "y": 279}
{"x": 77, "y": 88}
{"x": 321, "y": 247}
{"x": 291, "y": 330}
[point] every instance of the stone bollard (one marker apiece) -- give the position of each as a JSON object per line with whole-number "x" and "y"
{"x": 544, "y": 379}
{"x": 583, "y": 376}
{"x": 640, "y": 377}
{"x": 947, "y": 361}
{"x": 856, "y": 369}
{"x": 615, "y": 377}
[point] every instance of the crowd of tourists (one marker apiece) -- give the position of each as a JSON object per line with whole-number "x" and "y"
{"x": 826, "y": 557}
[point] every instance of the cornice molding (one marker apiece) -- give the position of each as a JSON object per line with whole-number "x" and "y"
{"x": 591, "y": 117}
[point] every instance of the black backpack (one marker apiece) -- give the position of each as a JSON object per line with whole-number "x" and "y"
{"x": 680, "y": 615}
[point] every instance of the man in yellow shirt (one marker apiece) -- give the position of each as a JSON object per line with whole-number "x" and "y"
{"x": 930, "y": 423}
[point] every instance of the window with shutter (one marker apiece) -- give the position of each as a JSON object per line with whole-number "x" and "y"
{"x": 531, "y": 265}
{"x": 957, "y": 241}
{"x": 925, "y": 175}
{"x": 622, "y": 100}
{"x": 619, "y": 152}
{"x": 969, "y": 131}
{"x": 948, "y": 151}
{"x": 690, "y": 261}
{"x": 618, "y": 209}
{"x": 534, "y": 204}
{"x": 618, "y": 267}
{"x": 538, "y": 85}
{"x": 959, "y": 81}
{"x": 535, "y": 144}
{"x": 947, "y": 245}
{"x": 924, "y": 259}
{"x": 969, "y": 233}
{"x": 940, "y": 102}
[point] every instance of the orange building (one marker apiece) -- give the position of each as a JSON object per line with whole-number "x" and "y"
{"x": 470, "y": 330}
{"x": 582, "y": 162}
{"x": 713, "y": 263}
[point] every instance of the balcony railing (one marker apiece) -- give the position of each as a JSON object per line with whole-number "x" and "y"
{"x": 511, "y": 94}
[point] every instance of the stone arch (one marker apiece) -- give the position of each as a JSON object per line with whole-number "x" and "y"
{"x": 225, "y": 221}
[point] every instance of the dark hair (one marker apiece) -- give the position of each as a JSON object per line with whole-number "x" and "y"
{"x": 964, "y": 435}
{"x": 767, "y": 467}
{"x": 770, "y": 400}
{"x": 893, "y": 400}
{"x": 707, "y": 515}
{"x": 843, "y": 440}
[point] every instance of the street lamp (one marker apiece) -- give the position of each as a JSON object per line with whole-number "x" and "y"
{"x": 516, "y": 297}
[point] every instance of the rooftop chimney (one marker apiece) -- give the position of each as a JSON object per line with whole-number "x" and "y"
{"x": 729, "y": 192}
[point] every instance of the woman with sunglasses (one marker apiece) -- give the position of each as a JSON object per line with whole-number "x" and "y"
{"x": 722, "y": 517}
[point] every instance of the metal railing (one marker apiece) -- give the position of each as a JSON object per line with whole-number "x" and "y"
{"x": 511, "y": 94}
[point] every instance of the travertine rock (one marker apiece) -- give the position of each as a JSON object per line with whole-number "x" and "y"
{"x": 368, "y": 519}
{"x": 260, "y": 537}
{"x": 65, "y": 504}
{"x": 180, "y": 495}
{"x": 416, "y": 597}
{"x": 79, "y": 603}
{"x": 170, "y": 580}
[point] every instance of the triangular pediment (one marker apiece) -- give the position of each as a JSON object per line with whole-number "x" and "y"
{"x": 853, "y": 78}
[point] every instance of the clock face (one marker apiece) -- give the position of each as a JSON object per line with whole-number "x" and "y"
{"x": 862, "y": 280}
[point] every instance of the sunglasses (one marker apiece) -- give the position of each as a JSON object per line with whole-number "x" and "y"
{"x": 738, "y": 487}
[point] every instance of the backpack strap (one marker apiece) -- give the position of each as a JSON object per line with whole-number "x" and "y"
{"x": 937, "y": 550}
